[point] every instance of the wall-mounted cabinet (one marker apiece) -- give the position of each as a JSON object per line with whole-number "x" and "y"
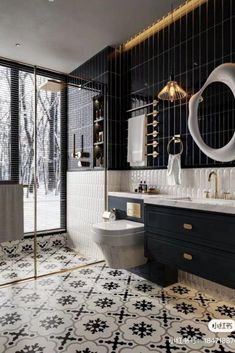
{"x": 98, "y": 131}
{"x": 198, "y": 242}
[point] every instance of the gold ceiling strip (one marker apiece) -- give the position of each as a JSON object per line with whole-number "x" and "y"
{"x": 165, "y": 21}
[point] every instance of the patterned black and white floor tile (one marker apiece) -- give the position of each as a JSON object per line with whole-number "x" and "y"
{"x": 100, "y": 310}
{"x": 17, "y": 257}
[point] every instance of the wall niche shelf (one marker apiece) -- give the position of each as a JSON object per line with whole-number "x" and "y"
{"x": 98, "y": 132}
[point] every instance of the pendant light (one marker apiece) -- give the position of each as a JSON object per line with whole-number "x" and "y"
{"x": 172, "y": 91}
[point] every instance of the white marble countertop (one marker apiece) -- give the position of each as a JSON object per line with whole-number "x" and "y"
{"x": 211, "y": 205}
{"x": 133, "y": 195}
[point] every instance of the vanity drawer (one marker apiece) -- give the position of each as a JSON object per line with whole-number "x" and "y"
{"x": 205, "y": 228}
{"x": 214, "y": 265}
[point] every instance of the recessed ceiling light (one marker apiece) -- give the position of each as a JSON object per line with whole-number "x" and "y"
{"x": 17, "y": 44}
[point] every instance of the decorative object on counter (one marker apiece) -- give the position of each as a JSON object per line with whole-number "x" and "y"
{"x": 206, "y": 194}
{"x": 153, "y": 191}
{"x": 227, "y": 195}
{"x": 172, "y": 91}
{"x": 140, "y": 188}
{"x": 224, "y": 73}
{"x": 136, "y": 141}
{"x": 174, "y": 162}
{"x": 145, "y": 187}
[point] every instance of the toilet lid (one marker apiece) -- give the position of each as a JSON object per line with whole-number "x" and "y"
{"x": 120, "y": 227}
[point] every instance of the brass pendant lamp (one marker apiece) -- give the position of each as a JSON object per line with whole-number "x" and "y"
{"x": 172, "y": 90}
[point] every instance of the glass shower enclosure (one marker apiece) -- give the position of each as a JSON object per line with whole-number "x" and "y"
{"x": 33, "y": 152}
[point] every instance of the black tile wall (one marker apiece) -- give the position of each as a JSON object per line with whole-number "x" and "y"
{"x": 80, "y": 122}
{"x": 192, "y": 47}
{"x": 104, "y": 70}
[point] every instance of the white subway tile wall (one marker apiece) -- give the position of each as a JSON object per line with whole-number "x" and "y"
{"x": 85, "y": 206}
{"x": 194, "y": 181}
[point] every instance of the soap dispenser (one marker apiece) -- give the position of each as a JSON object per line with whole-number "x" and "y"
{"x": 145, "y": 187}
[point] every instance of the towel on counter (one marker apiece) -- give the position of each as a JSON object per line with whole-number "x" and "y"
{"x": 174, "y": 169}
{"x": 136, "y": 141}
{"x": 11, "y": 212}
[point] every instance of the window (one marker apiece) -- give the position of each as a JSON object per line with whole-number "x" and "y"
{"x": 5, "y": 123}
{"x": 17, "y": 144}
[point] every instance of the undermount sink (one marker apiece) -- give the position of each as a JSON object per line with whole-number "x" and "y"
{"x": 204, "y": 201}
{"x": 211, "y": 205}
{"x": 180, "y": 198}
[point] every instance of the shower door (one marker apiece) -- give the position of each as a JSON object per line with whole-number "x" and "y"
{"x": 16, "y": 158}
{"x": 50, "y": 178}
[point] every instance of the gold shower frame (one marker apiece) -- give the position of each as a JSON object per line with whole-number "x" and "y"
{"x": 35, "y": 232}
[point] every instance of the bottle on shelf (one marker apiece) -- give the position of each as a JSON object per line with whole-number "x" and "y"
{"x": 97, "y": 136}
{"x": 100, "y": 113}
{"x": 140, "y": 186}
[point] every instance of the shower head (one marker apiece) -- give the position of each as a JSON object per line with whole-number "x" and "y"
{"x": 52, "y": 86}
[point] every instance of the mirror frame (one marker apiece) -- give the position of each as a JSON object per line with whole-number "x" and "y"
{"x": 224, "y": 73}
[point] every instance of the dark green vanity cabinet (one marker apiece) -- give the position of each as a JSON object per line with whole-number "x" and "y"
{"x": 198, "y": 242}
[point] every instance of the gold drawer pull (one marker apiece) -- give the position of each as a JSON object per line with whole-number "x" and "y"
{"x": 188, "y": 226}
{"x": 187, "y": 256}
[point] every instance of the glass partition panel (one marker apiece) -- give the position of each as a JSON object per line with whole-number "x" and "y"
{"x": 16, "y": 156}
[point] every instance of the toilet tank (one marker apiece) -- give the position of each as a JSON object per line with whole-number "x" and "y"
{"x": 121, "y": 204}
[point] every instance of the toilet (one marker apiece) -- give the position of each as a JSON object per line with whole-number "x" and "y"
{"x": 122, "y": 243}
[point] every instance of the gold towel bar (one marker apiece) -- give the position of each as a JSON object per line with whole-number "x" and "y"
{"x": 155, "y": 102}
{"x": 154, "y": 154}
{"x": 154, "y": 123}
{"x": 154, "y": 144}
{"x": 154, "y": 134}
{"x": 154, "y": 113}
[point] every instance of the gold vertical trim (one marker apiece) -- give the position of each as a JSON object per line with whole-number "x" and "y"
{"x": 35, "y": 173}
{"x": 165, "y": 21}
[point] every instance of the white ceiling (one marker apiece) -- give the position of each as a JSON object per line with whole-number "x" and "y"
{"x": 63, "y": 34}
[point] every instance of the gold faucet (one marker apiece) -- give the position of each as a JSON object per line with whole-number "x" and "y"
{"x": 216, "y": 195}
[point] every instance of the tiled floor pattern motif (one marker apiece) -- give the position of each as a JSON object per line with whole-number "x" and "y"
{"x": 100, "y": 310}
{"x": 17, "y": 258}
